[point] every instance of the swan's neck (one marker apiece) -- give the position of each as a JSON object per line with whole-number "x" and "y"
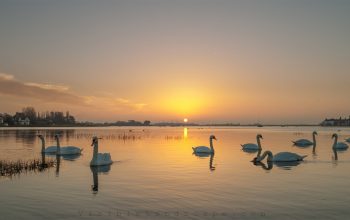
{"x": 211, "y": 145}
{"x": 259, "y": 153}
{"x": 95, "y": 153}
{"x": 268, "y": 154}
{"x": 258, "y": 141}
{"x": 42, "y": 144}
{"x": 335, "y": 141}
{"x": 58, "y": 145}
{"x": 314, "y": 139}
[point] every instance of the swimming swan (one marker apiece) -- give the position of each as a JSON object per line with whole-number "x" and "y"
{"x": 339, "y": 145}
{"x": 305, "y": 142}
{"x": 99, "y": 159}
{"x": 279, "y": 157}
{"x": 48, "y": 150}
{"x": 68, "y": 150}
{"x": 253, "y": 147}
{"x": 205, "y": 149}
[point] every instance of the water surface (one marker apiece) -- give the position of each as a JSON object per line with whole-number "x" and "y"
{"x": 156, "y": 176}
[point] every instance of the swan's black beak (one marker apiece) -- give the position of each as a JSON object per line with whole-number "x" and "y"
{"x": 215, "y": 138}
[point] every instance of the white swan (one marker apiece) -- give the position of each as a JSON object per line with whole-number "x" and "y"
{"x": 99, "y": 159}
{"x": 339, "y": 145}
{"x": 253, "y": 147}
{"x": 279, "y": 157}
{"x": 47, "y": 150}
{"x": 67, "y": 150}
{"x": 305, "y": 142}
{"x": 205, "y": 149}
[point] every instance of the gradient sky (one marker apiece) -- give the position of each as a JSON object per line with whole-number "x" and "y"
{"x": 271, "y": 61}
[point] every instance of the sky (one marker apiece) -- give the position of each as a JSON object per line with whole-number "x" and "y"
{"x": 267, "y": 61}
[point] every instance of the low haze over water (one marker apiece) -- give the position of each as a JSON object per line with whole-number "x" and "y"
{"x": 156, "y": 176}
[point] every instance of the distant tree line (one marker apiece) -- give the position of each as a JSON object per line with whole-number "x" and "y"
{"x": 28, "y": 116}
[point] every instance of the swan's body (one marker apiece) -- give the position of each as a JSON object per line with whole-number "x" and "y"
{"x": 47, "y": 150}
{"x": 279, "y": 157}
{"x": 99, "y": 159}
{"x": 306, "y": 142}
{"x": 339, "y": 145}
{"x": 347, "y": 140}
{"x": 251, "y": 146}
{"x": 68, "y": 150}
{"x": 205, "y": 149}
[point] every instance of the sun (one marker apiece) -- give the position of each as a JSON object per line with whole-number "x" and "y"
{"x": 185, "y": 120}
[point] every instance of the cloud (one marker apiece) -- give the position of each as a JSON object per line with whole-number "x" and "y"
{"x": 4, "y": 76}
{"x": 114, "y": 104}
{"x": 49, "y": 86}
{"x": 61, "y": 94}
{"x": 43, "y": 92}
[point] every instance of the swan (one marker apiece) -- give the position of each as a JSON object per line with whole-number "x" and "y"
{"x": 48, "y": 150}
{"x": 279, "y": 157}
{"x": 339, "y": 145}
{"x": 347, "y": 140}
{"x": 205, "y": 149}
{"x": 67, "y": 150}
{"x": 253, "y": 147}
{"x": 99, "y": 159}
{"x": 305, "y": 142}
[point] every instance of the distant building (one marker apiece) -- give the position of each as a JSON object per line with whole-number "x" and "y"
{"x": 21, "y": 119}
{"x": 336, "y": 122}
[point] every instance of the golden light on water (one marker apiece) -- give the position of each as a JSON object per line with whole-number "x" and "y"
{"x": 185, "y": 133}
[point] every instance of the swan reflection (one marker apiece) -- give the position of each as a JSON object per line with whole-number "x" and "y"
{"x": 95, "y": 171}
{"x": 203, "y": 155}
{"x": 281, "y": 165}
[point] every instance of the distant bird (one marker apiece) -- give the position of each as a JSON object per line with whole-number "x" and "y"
{"x": 67, "y": 150}
{"x": 205, "y": 149}
{"x": 339, "y": 145}
{"x": 305, "y": 142}
{"x": 48, "y": 150}
{"x": 279, "y": 157}
{"x": 99, "y": 159}
{"x": 251, "y": 146}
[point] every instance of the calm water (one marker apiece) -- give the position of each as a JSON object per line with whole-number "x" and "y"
{"x": 155, "y": 176}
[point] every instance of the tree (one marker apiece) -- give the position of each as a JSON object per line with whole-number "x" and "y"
{"x": 147, "y": 123}
{"x": 29, "y": 112}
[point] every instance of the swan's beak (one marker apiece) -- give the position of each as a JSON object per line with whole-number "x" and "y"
{"x": 215, "y": 138}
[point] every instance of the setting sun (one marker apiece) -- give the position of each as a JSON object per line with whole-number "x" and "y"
{"x": 185, "y": 120}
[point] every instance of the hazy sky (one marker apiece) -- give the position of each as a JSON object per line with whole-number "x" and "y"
{"x": 272, "y": 61}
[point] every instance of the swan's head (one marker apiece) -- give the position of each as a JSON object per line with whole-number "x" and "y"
{"x": 255, "y": 160}
{"x": 213, "y": 137}
{"x": 57, "y": 136}
{"x": 334, "y": 136}
{"x": 314, "y": 133}
{"x": 95, "y": 140}
{"x": 40, "y": 136}
{"x": 259, "y": 136}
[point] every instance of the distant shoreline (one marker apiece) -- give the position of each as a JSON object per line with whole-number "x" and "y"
{"x": 183, "y": 125}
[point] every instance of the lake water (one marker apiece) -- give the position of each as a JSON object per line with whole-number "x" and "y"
{"x": 156, "y": 176}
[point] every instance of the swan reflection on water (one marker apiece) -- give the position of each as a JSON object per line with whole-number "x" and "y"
{"x": 95, "y": 171}
{"x": 203, "y": 155}
{"x": 281, "y": 165}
